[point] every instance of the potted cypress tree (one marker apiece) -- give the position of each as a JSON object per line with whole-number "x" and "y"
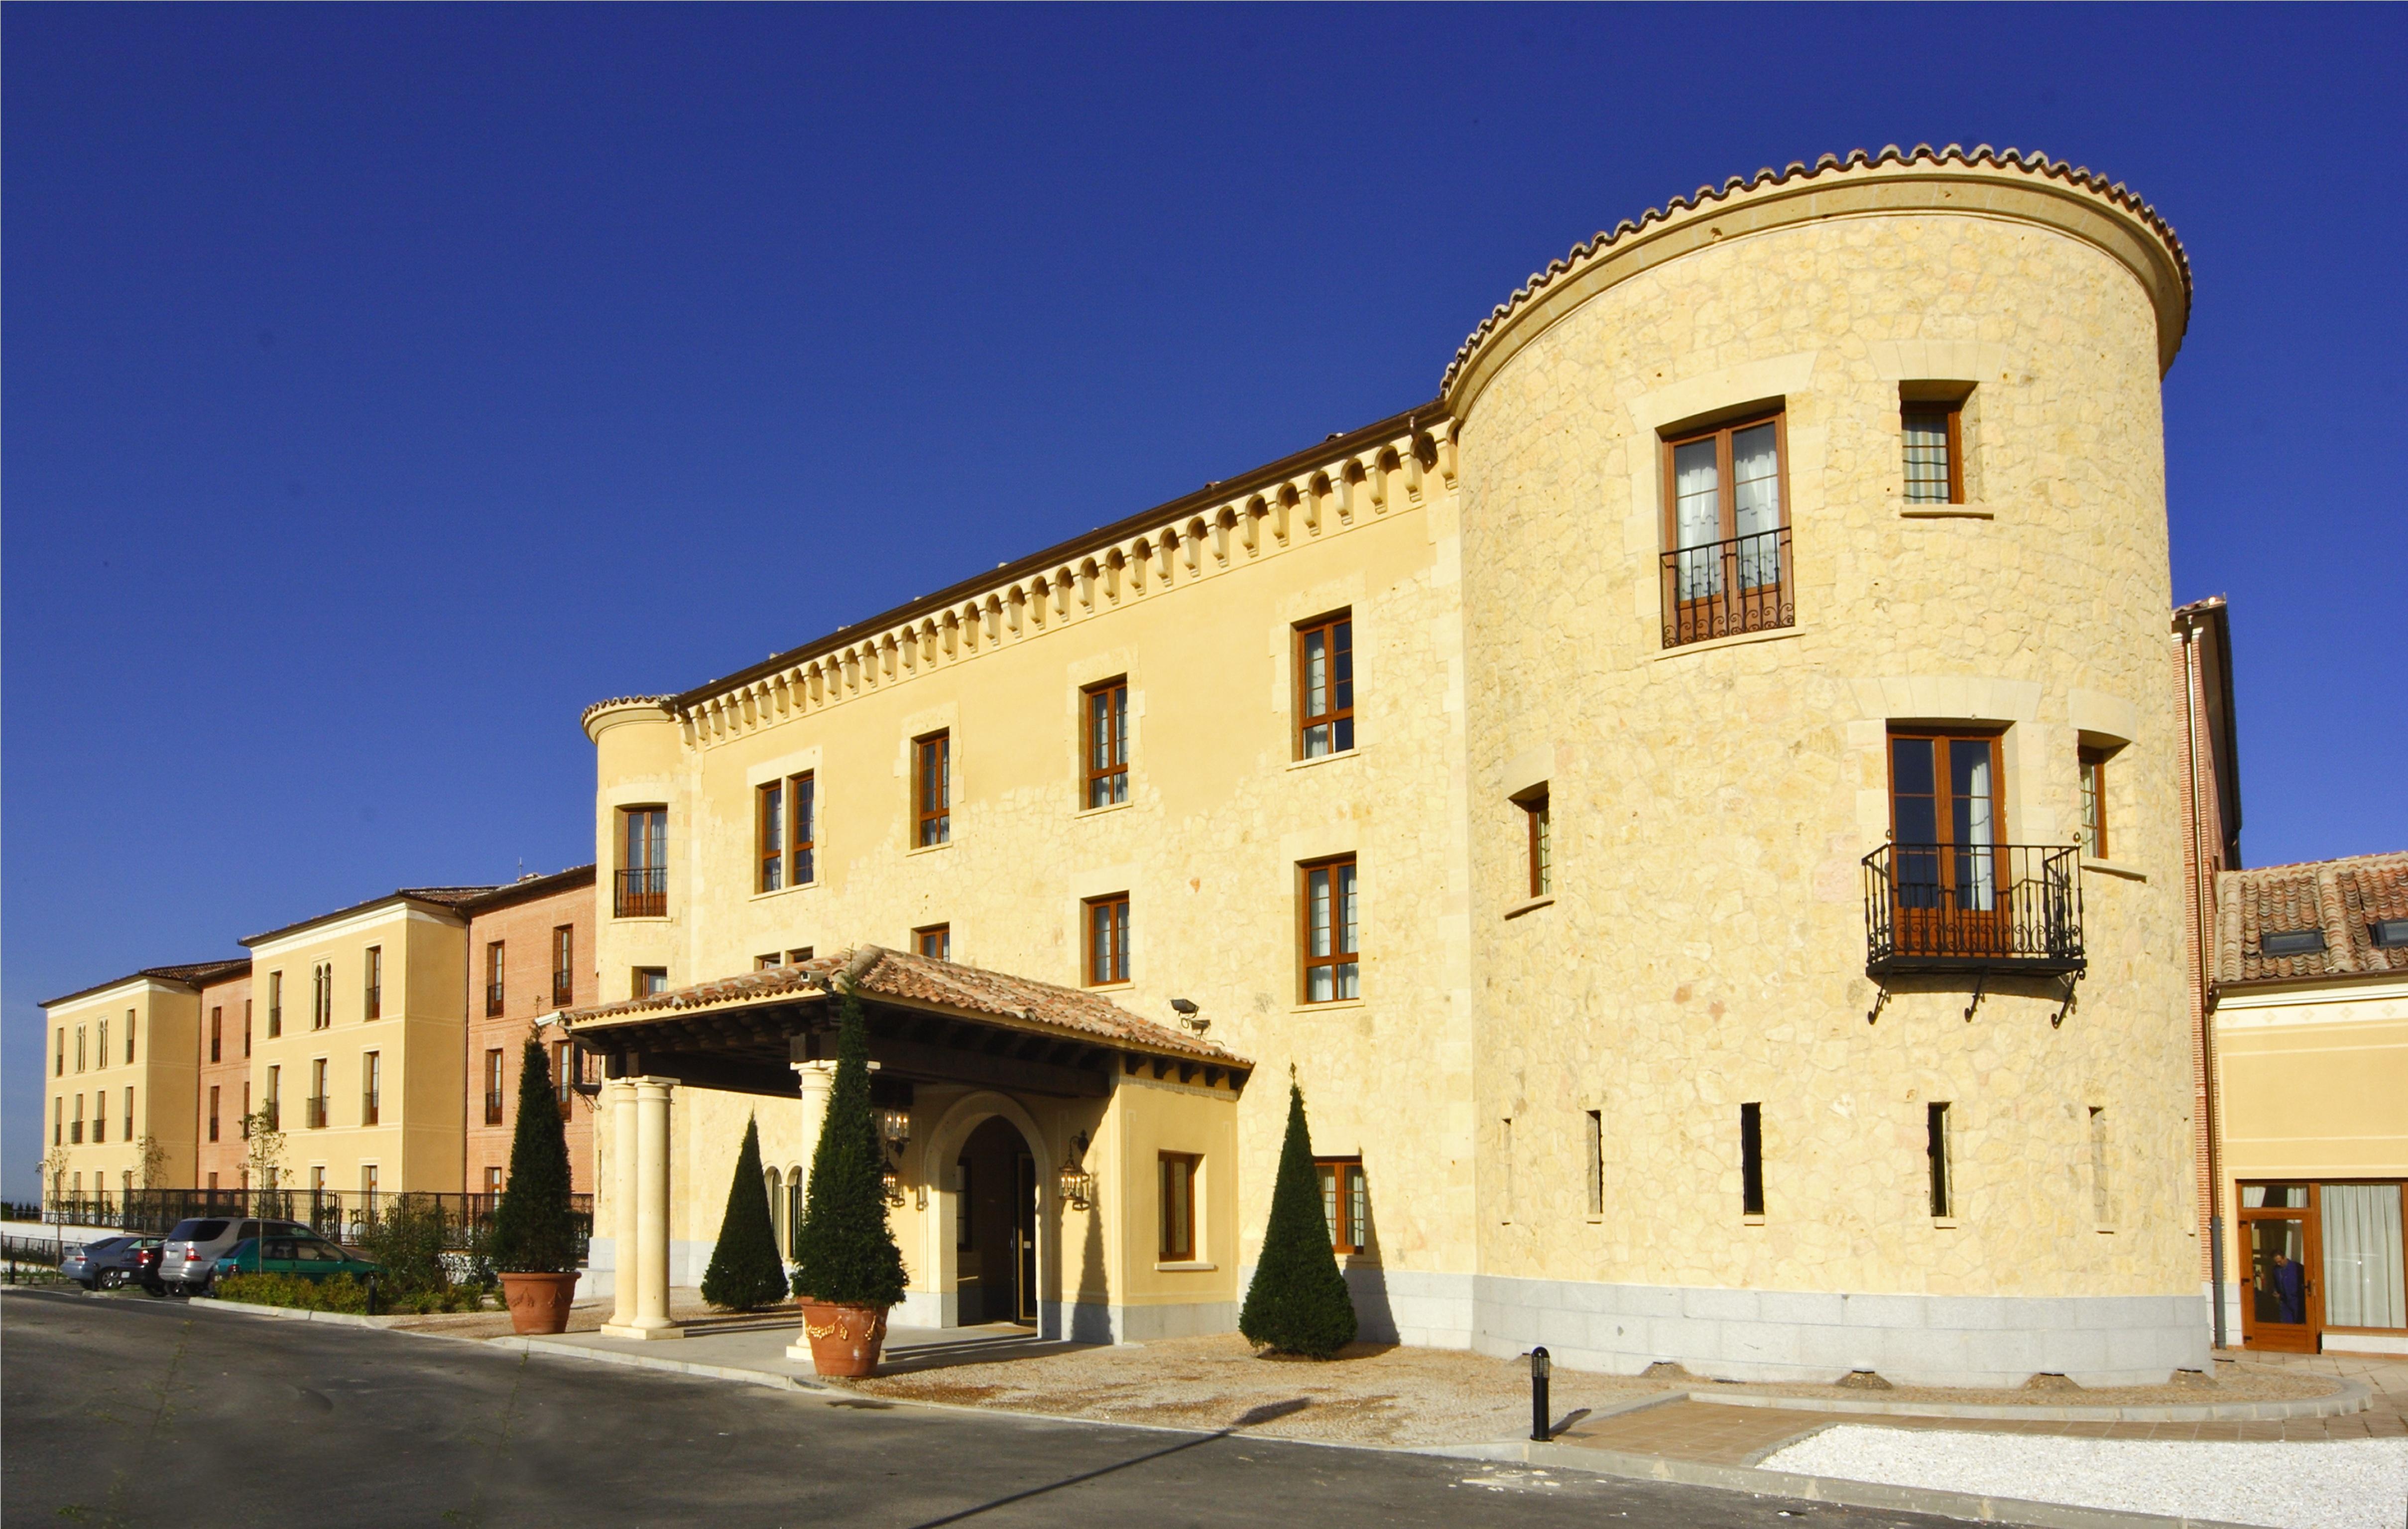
{"x": 1297, "y": 1303}
{"x": 847, "y": 1272}
{"x": 534, "y": 1246}
{"x": 745, "y": 1272}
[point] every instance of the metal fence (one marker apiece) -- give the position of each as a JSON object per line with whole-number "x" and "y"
{"x": 342, "y": 1215}
{"x": 1966, "y": 908}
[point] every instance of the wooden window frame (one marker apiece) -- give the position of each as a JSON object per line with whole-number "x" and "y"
{"x": 1106, "y": 962}
{"x": 2092, "y": 764}
{"x": 1337, "y": 717}
{"x": 372, "y": 983}
{"x": 496, "y": 1097}
{"x": 769, "y": 836}
{"x": 496, "y": 989}
{"x": 129, "y": 1037}
{"x": 564, "y": 965}
{"x": 643, "y": 972}
{"x": 1539, "y": 849}
{"x": 939, "y": 935}
{"x": 1104, "y": 706}
{"x": 1726, "y": 489}
{"x": 1176, "y": 1240}
{"x": 1346, "y": 1203}
{"x": 216, "y": 1033}
{"x": 1951, "y": 409}
{"x": 371, "y": 1088}
{"x": 1307, "y": 963}
{"x": 213, "y": 1111}
{"x": 932, "y": 778}
{"x": 275, "y": 1005}
{"x": 641, "y": 888}
{"x": 802, "y": 828}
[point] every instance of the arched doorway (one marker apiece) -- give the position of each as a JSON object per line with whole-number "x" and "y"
{"x": 994, "y": 1231}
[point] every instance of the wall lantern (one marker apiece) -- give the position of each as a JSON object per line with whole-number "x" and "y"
{"x": 894, "y": 1135}
{"x": 1077, "y": 1186}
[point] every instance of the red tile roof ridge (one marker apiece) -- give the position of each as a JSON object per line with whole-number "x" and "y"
{"x": 2341, "y": 899}
{"x": 1857, "y": 160}
{"x": 2372, "y": 858}
{"x": 879, "y": 971}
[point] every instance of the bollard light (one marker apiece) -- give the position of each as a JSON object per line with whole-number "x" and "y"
{"x": 1542, "y": 1368}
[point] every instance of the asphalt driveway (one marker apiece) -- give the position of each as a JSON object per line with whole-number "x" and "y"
{"x": 125, "y": 1410}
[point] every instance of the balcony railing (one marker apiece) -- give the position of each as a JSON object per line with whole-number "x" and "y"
{"x": 1724, "y": 589}
{"x": 493, "y": 1107}
{"x": 2003, "y": 908}
{"x": 316, "y": 1111}
{"x": 642, "y": 892}
{"x": 492, "y": 999}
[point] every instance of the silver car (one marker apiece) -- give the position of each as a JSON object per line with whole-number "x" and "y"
{"x": 103, "y": 1264}
{"x": 190, "y": 1258}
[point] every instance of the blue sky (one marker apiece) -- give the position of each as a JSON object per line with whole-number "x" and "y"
{"x": 382, "y": 384}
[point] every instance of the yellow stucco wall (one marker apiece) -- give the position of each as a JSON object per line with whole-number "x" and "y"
{"x": 2313, "y": 1081}
{"x": 163, "y": 1075}
{"x": 420, "y": 1035}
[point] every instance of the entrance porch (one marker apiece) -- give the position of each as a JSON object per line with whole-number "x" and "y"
{"x": 1032, "y": 1134}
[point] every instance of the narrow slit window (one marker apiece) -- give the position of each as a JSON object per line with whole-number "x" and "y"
{"x": 1594, "y": 1159}
{"x": 494, "y": 1087}
{"x": 1751, "y": 1160}
{"x": 564, "y": 965}
{"x": 1325, "y": 687}
{"x": 493, "y": 990}
{"x": 216, "y": 1033}
{"x": 1935, "y": 1118}
{"x": 1106, "y": 752}
{"x": 2094, "y": 802}
{"x": 372, "y": 985}
{"x": 1538, "y": 851}
{"x": 2102, "y": 1198}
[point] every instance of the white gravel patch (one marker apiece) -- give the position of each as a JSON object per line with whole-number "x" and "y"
{"x": 2344, "y": 1484}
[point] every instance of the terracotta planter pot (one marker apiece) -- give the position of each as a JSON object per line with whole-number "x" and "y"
{"x": 845, "y": 1340}
{"x": 538, "y": 1303}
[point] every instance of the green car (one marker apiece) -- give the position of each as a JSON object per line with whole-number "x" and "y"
{"x": 311, "y": 1258}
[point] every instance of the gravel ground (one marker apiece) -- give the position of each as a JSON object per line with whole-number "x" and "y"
{"x": 2345, "y": 1484}
{"x": 2233, "y": 1383}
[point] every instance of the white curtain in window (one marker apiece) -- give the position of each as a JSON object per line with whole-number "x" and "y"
{"x": 1977, "y": 873}
{"x": 1697, "y": 518}
{"x": 1755, "y": 495}
{"x": 2363, "y": 1256}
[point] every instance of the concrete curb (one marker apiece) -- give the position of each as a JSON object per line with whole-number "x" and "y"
{"x": 293, "y": 1314}
{"x": 769, "y": 1378}
{"x": 2353, "y": 1396}
{"x": 1825, "y": 1488}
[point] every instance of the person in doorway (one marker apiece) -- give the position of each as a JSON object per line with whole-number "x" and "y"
{"x": 2290, "y": 1291}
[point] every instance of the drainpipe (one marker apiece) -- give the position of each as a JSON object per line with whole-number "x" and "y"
{"x": 2202, "y": 901}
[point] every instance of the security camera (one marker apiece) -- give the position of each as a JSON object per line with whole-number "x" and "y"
{"x": 1185, "y": 1009}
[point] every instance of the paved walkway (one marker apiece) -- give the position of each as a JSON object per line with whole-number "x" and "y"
{"x": 1711, "y": 1433}
{"x": 756, "y": 1346}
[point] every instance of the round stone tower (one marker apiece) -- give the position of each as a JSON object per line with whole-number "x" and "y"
{"x": 1816, "y": 608}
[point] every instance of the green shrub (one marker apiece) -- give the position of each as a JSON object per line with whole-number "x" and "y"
{"x": 407, "y": 1240}
{"x": 745, "y": 1272}
{"x": 845, "y": 1252}
{"x": 1297, "y": 1303}
{"x": 340, "y": 1293}
{"x": 535, "y": 1230}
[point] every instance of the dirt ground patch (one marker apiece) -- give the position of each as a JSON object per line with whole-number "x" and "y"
{"x": 1379, "y": 1394}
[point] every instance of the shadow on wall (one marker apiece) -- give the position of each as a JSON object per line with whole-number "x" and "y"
{"x": 1089, "y": 1302}
{"x": 1367, "y": 1285}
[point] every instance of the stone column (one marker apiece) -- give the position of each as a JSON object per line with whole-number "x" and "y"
{"x": 651, "y": 1205}
{"x": 816, "y": 1080}
{"x": 619, "y": 1106}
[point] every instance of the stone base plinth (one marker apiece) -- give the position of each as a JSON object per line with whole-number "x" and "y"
{"x": 613, "y": 1329}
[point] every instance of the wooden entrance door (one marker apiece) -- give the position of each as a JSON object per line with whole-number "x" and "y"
{"x": 2282, "y": 1306}
{"x": 1947, "y": 830}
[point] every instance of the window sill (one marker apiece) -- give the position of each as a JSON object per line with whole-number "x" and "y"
{"x": 1532, "y": 906}
{"x": 1945, "y": 1223}
{"x": 2114, "y": 868}
{"x": 1327, "y": 1007}
{"x": 1715, "y": 645}
{"x": 1108, "y": 987}
{"x": 1946, "y": 512}
{"x": 2104, "y": 1230}
{"x": 1106, "y": 809}
{"x": 1183, "y": 1266}
{"x": 1750, "y": 1220}
{"x": 641, "y": 918}
{"x": 929, "y": 849}
{"x": 782, "y": 891}
{"x": 1324, "y": 758}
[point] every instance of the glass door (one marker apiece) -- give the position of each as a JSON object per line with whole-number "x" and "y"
{"x": 2282, "y": 1306}
{"x": 1945, "y": 829}
{"x": 1025, "y": 1240}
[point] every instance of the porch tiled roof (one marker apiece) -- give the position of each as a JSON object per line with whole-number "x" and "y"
{"x": 876, "y": 972}
{"x": 2340, "y": 899}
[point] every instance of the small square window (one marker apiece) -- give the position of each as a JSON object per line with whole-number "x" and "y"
{"x": 1935, "y": 451}
{"x": 934, "y": 941}
{"x": 1108, "y": 939}
{"x": 2296, "y": 941}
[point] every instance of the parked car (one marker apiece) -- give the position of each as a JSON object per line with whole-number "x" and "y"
{"x": 188, "y": 1260}
{"x": 308, "y": 1257}
{"x": 105, "y": 1264}
{"x": 146, "y": 1267}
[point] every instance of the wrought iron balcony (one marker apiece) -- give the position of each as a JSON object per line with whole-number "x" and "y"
{"x": 1724, "y": 589}
{"x": 2008, "y": 909}
{"x": 642, "y": 892}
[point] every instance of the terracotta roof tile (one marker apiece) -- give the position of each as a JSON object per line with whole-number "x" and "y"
{"x": 1982, "y": 154}
{"x": 876, "y": 972}
{"x": 2342, "y": 899}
